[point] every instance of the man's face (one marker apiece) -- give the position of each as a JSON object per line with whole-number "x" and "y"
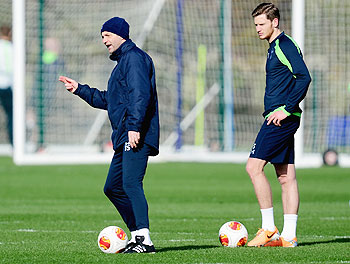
{"x": 111, "y": 41}
{"x": 265, "y": 27}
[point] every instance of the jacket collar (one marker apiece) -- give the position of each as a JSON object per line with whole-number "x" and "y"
{"x": 125, "y": 47}
{"x": 279, "y": 36}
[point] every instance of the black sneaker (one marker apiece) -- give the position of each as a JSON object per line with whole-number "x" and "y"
{"x": 139, "y": 247}
{"x": 129, "y": 245}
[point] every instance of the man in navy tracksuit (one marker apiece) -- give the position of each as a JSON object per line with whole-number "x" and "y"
{"x": 132, "y": 105}
{"x": 287, "y": 81}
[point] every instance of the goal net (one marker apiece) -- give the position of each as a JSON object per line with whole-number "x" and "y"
{"x": 210, "y": 77}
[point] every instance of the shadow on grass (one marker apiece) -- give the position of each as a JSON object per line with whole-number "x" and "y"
{"x": 192, "y": 247}
{"x": 337, "y": 240}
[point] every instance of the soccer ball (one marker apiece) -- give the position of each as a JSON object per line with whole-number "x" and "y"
{"x": 233, "y": 234}
{"x": 112, "y": 239}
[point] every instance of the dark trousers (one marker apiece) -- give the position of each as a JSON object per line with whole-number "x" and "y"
{"x": 124, "y": 186}
{"x": 6, "y": 102}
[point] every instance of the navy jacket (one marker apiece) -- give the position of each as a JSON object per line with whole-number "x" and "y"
{"x": 131, "y": 97}
{"x": 287, "y": 77}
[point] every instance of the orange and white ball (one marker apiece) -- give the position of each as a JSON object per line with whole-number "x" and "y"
{"x": 112, "y": 239}
{"x": 233, "y": 234}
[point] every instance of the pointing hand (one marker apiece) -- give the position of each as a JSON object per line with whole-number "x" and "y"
{"x": 70, "y": 84}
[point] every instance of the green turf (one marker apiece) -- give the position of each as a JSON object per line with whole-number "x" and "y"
{"x": 53, "y": 214}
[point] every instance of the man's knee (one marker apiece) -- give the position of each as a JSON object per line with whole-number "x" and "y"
{"x": 250, "y": 169}
{"x": 107, "y": 190}
{"x": 285, "y": 173}
{"x": 132, "y": 181}
{"x": 286, "y": 179}
{"x": 283, "y": 179}
{"x": 255, "y": 167}
{"x": 110, "y": 190}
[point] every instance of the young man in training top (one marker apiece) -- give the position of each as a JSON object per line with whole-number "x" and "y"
{"x": 287, "y": 81}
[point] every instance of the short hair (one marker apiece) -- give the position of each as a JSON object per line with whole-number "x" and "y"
{"x": 270, "y": 10}
{"x": 5, "y": 31}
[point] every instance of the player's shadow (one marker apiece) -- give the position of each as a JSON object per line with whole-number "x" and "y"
{"x": 192, "y": 247}
{"x": 337, "y": 240}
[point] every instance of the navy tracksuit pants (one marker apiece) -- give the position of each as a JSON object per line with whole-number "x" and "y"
{"x": 124, "y": 186}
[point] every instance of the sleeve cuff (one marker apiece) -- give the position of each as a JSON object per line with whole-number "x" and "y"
{"x": 286, "y": 112}
{"x": 133, "y": 128}
{"x": 77, "y": 91}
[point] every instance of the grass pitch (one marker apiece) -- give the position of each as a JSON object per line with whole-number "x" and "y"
{"x": 53, "y": 214}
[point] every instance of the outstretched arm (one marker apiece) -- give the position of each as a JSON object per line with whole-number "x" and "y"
{"x": 92, "y": 96}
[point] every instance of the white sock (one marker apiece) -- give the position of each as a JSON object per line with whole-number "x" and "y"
{"x": 289, "y": 226}
{"x": 133, "y": 234}
{"x": 145, "y": 233}
{"x": 268, "y": 222}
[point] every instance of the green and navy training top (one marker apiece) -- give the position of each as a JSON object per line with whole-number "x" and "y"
{"x": 287, "y": 77}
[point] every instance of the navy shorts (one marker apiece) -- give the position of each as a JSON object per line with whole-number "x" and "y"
{"x": 276, "y": 143}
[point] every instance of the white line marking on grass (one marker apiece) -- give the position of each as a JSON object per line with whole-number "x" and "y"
{"x": 195, "y": 219}
{"x": 56, "y": 231}
{"x": 189, "y": 233}
{"x": 113, "y": 221}
{"x": 10, "y": 222}
{"x": 26, "y": 230}
{"x": 332, "y": 218}
{"x": 209, "y": 263}
{"x": 180, "y": 220}
{"x": 315, "y": 236}
{"x": 324, "y": 237}
{"x": 186, "y": 240}
{"x": 178, "y": 233}
{"x": 15, "y": 243}
{"x": 182, "y": 240}
{"x": 341, "y": 261}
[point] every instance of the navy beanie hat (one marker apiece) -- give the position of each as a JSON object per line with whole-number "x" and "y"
{"x": 117, "y": 25}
